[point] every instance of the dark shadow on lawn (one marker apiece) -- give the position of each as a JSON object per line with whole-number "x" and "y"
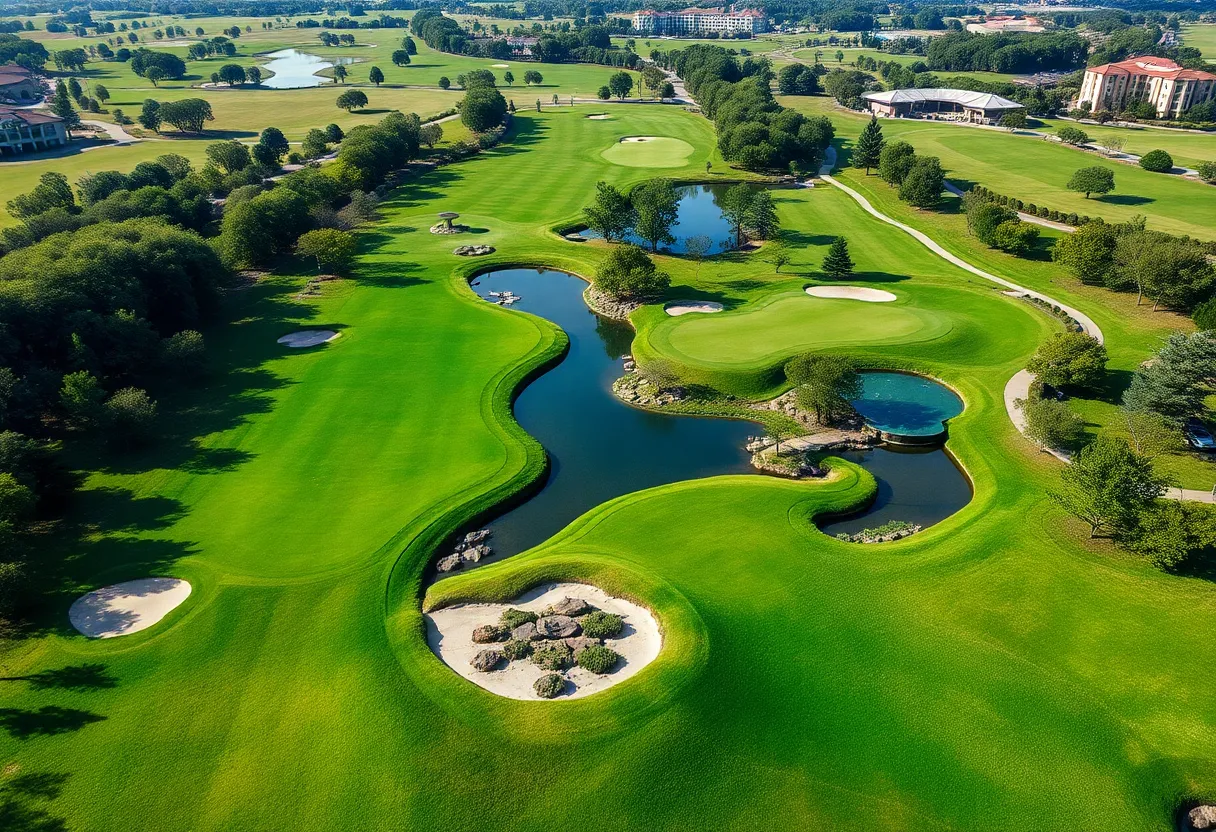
{"x": 1124, "y": 199}
{"x": 76, "y": 677}
{"x": 806, "y": 238}
{"x": 47, "y": 721}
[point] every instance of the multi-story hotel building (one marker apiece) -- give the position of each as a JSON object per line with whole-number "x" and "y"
{"x": 28, "y": 131}
{"x": 1159, "y": 81}
{"x": 700, "y": 21}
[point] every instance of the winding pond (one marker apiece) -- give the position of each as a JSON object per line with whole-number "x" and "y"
{"x": 699, "y": 214}
{"x": 294, "y": 69}
{"x": 906, "y": 404}
{"x": 600, "y": 448}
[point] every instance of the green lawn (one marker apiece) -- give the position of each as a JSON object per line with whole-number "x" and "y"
{"x": 1188, "y": 148}
{"x": 1201, "y": 36}
{"x": 993, "y": 673}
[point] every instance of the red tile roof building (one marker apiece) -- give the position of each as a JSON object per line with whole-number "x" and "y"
{"x": 689, "y": 21}
{"x": 1159, "y": 81}
{"x": 26, "y": 131}
{"x": 18, "y": 85}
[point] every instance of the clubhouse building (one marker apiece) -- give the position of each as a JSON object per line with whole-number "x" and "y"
{"x": 700, "y": 21}
{"x": 944, "y": 104}
{"x": 18, "y": 85}
{"x": 1159, "y": 81}
{"x": 27, "y": 131}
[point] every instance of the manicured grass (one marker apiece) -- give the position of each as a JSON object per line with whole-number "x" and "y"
{"x": 1188, "y": 148}
{"x": 1201, "y": 36}
{"x": 992, "y": 673}
{"x": 655, "y": 152}
{"x": 1171, "y": 203}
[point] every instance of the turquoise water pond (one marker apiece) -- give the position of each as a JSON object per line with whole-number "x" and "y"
{"x": 906, "y": 404}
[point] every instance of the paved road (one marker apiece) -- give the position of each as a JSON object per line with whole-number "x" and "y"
{"x": 1031, "y": 218}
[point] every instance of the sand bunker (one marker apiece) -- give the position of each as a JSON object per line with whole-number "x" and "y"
{"x": 851, "y": 293}
{"x": 599, "y": 117}
{"x": 127, "y": 608}
{"x": 641, "y": 138}
{"x": 308, "y": 338}
{"x": 449, "y": 634}
{"x": 500, "y": 66}
{"x": 683, "y": 307}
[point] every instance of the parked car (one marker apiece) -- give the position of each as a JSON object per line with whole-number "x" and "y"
{"x": 1198, "y": 436}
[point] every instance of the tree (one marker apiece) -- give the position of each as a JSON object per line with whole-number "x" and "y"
{"x": 149, "y": 116}
{"x": 351, "y": 99}
{"x": 401, "y": 57}
{"x": 1070, "y": 359}
{"x": 375, "y": 76}
{"x": 1092, "y": 180}
{"x": 603, "y": 93}
{"x": 275, "y": 142}
{"x": 826, "y": 385}
{"x": 668, "y": 90}
{"x": 101, "y": 93}
{"x": 1050, "y": 423}
{"x": 1014, "y": 120}
{"x": 129, "y": 415}
{"x": 611, "y": 215}
{"x": 868, "y": 150}
{"x": 1108, "y": 485}
{"x": 620, "y": 83}
{"x": 333, "y": 250}
{"x": 155, "y": 74}
{"x": 653, "y": 78}
{"x": 61, "y": 105}
{"x": 531, "y": 77}
{"x": 188, "y": 114}
{"x": 254, "y": 75}
{"x": 1072, "y": 135}
{"x": 1150, "y": 433}
{"x": 1157, "y": 161}
{"x": 230, "y": 156}
{"x": 509, "y": 77}
{"x": 340, "y": 74}
{"x": 1207, "y": 172}
{"x": 894, "y": 162}
{"x": 696, "y": 248}
{"x": 1113, "y": 145}
{"x": 656, "y": 206}
{"x": 1015, "y": 236}
{"x": 628, "y": 274}
{"x": 1088, "y": 252}
{"x": 1170, "y": 532}
{"x": 1175, "y": 384}
{"x": 837, "y": 264}
{"x": 444, "y": 83}
{"x": 52, "y": 191}
{"x": 1173, "y": 272}
{"x": 407, "y": 43}
{"x": 81, "y": 396}
{"x": 780, "y": 257}
{"x": 839, "y": 56}
{"x": 183, "y": 354}
{"x": 483, "y": 108}
{"x": 232, "y": 74}
{"x": 923, "y": 184}
{"x": 430, "y": 134}
{"x": 797, "y": 79}
{"x": 735, "y": 205}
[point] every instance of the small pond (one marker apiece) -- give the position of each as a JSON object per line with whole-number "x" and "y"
{"x": 294, "y": 69}
{"x": 906, "y": 404}
{"x": 699, "y": 215}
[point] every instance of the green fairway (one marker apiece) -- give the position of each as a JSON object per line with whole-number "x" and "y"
{"x": 649, "y": 152}
{"x": 1201, "y": 36}
{"x": 995, "y": 673}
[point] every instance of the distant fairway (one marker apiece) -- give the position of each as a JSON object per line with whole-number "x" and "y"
{"x": 651, "y": 152}
{"x": 1201, "y": 36}
{"x": 790, "y": 323}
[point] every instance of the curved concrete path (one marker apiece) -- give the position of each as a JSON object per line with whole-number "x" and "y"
{"x": 1017, "y": 387}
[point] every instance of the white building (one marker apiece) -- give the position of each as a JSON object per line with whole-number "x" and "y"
{"x": 946, "y": 104}
{"x": 28, "y": 131}
{"x": 1159, "y": 81}
{"x": 700, "y": 21}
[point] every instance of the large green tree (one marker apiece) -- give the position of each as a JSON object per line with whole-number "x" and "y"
{"x": 1070, "y": 359}
{"x": 656, "y": 206}
{"x": 826, "y": 385}
{"x": 1108, "y": 485}
{"x": 1178, "y": 379}
{"x": 837, "y": 263}
{"x": 611, "y": 215}
{"x": 868, "y": 150}
{"x": 1092, "y": 180}
{"x": 628, "y": 274}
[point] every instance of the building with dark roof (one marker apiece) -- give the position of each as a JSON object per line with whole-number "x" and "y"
{"x": 1171, "y": 89}
{"x": 27, "y": 131}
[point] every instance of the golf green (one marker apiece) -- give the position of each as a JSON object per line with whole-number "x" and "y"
{"x": 649, "y": 152}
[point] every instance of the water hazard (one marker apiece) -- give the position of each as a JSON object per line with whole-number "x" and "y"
{"x": 699, "y": 216}
{"x": 294, "y": 69}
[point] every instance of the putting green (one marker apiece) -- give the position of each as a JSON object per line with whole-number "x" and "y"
{"x": 789, "y": 323}
{"x": 649, "y": 152}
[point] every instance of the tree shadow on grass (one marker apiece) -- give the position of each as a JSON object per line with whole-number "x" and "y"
{"x": 77, "y": 677}
{"x": 47, "y": 721}
{"x": 806, "y": 239}
{"x": 1124, "y": 199}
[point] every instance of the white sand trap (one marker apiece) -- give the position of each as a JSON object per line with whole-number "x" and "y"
{"x": 500, "y": 66}
{"x": 308, "y": 338}
{"x": 683, "y": 307}
{"x": 126, "y": 608}
{"x": 449, "y": 633}
{"x": 600, "y": 117}
{"x": 851, "y": 293}
{"x": 641, "y": 138}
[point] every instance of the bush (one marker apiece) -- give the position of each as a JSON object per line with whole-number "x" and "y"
{"x": 1207, "y": 172}
{"x": 598, "y": 659}
{"x": 627, "y": 273}
{"x": 1157, "y": 161}
{"x": 552, "y": 655}
{"x": 1204, "y": 315}
{"x": 516, "y": 649}
{"x": 1072, "y": 135}
{"x": 601, "y": 624}
{"x": 129, "y": 414}
{"x": 512, "y": 618}
{"x": 549, "y": 685}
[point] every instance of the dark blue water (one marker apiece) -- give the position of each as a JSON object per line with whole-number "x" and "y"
{"x": 908, "y": 404}
{"x": 600, "y": 448}
{"x": 699, "y": 215}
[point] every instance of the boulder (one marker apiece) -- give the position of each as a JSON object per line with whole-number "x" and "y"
{"x": 486, "y": 660}
{"x": 477, "y": 536}
{"x": 572, "y": 607}
{"x": 1203, "y": 817}
{"x": 474, "y": 554}
{"x": 473, "y": 251}
{"x": 579, "y": 644}
{"x": 448, "y": 564}
{"x": 487, "y": 633}
{"x": 557, "y": 626}
{"x": 526, "y": 632}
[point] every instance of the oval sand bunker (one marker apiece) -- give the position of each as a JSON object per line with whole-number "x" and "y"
{"x": 851, "y": 293}
{"x": 308, "y": 338}
{"x": 683, "y": 307}
{"x": 128, "y": 607}
{"x": 599, "y": 117}
{"x": 449, "y": 632}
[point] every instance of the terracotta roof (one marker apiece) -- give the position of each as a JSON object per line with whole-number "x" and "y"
{"x": 1149, "y": 65}
{"x": 28, "y": 116}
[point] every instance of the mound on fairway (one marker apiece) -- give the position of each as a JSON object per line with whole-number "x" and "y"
{"x": 128, "y": 607}
{"x": 851, "y": 293}
{"x": 683, "y": 307}
{"x": 649, "y": 152}
{"x": 449, "y": 634}
{"x": 308, "y": 338}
